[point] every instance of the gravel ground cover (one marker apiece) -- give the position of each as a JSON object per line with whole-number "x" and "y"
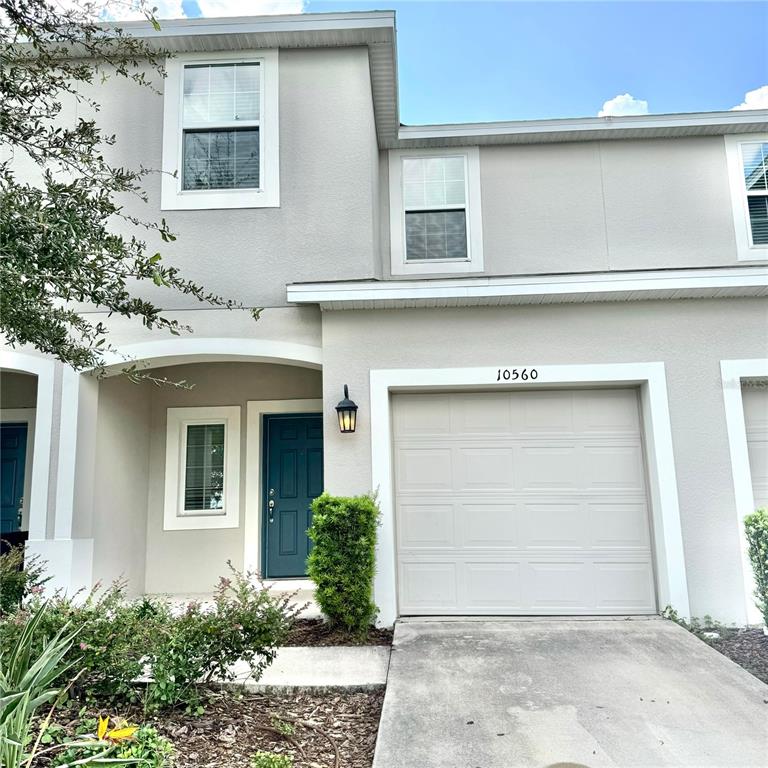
{"x": 748, "y": 647}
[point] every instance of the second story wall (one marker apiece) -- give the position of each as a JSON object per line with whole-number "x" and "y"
{"x": 324, "y": 227}
{"x": 601, "y": 206}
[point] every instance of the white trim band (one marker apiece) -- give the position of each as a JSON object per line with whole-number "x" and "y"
{"x": 601, "y": 286}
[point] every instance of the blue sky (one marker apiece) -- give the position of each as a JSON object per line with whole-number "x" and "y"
{"x": 479, "y": 61}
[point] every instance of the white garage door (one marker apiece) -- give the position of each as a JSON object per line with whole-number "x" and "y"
{"x": 527, "y": 502}
{"x": 756, "y": 419}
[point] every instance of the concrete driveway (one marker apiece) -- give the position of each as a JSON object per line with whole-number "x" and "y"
{"x": 498, "y": 694}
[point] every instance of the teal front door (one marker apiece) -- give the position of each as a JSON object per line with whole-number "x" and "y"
{"x": 293, "y": 474}
{"x": 13, "y": 456}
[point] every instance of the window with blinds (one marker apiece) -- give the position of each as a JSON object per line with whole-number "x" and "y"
{"x": 435, "y": 202}
{"x": 204, "y": 467}
{"x": 221, "y": 126}
{"x": 755, "y": 164}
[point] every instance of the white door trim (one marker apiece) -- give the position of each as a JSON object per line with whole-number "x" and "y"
{"x": 732, "y": 372}
{"x": 24, "y": 416}
{"x": 650, "y": 377}
{"x": 255, "y": 409}
{"x": 44, "y": 369}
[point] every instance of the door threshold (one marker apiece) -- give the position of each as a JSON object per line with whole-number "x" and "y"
{"x": 289, "y": 584}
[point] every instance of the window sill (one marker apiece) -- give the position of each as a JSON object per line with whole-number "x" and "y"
{"x": 754, "y": 253}
{"x": 441, "y": 267}
{"x": 173, "y": 200}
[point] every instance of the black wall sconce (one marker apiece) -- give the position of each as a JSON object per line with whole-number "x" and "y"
{"x": 347, "y": 412}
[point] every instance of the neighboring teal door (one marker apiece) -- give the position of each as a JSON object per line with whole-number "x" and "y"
{"x": 293, "y": 473}
{"x": 13, "y": 454}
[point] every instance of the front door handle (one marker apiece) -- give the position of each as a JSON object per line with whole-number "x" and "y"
{"x": 271, "y": 505}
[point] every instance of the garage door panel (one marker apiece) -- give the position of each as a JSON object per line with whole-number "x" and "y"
{"x": 491, "y": 584}
{"x": 606, "y": 412}
{"x": 555, "y": 526}
{"x": 429, "y": 586}
{"x": 424, "y": 468}
{"x": 618, "y": 525}
{"x": 426, "y": 526}
{"x": 484, "y": 468}
{"x": 491, "y": 415}
{"x": 545, "y": 516}
{"x": 559, "y": 585}
{"x": 544, "y": 467}
{"x": 414, "y": 416}
{"x": 490, "y": 526}
{"x": 624, "y": 586}
{"x": 546, "y": 412}
{"x": 614, "y": 466}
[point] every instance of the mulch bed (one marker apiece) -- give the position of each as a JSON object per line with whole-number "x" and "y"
{"x": 333, "y": 730}
{"x": 315, "y": 632}
{"x": 748, "y": 647}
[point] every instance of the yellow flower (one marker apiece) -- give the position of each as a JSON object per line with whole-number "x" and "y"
{"x": 116, "y": 734}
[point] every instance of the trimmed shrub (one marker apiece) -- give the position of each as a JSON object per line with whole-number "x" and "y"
{"x": 342, "y": 561}
{"x": 756, "y": 526}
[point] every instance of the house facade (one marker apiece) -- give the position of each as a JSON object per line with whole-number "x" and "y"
{"x": 556, "y": 334}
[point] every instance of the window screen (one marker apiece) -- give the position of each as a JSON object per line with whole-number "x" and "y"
{"x": 204, "y": 467}
{"x": 755, "y": 157}
{"x": 221, "y": 126}
{"x": 434, "y": 195}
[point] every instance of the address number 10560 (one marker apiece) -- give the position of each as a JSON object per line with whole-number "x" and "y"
{"x": 517, "y": 374}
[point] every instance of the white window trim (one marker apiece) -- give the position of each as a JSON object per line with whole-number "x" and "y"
{"x": 474, "y": 261}
{"x": 745, "y": 250}
{"x": 172, "y": 197}
{"x": 174, "y": 516}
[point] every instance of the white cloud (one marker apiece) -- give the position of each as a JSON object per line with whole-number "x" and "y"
{"x": 249, "y": 7}
{"x": 757, "y": 99}
{"x": 624, "y": 104}
{"x": 129, "y": 10}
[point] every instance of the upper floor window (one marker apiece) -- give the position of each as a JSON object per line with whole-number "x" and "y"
{"x": 220, "y": 138}
{"x": 435, "y": 218}
{"x": 748, "y": 173}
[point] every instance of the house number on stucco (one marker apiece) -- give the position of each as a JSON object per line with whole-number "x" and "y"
{"x": 517, "y": 374}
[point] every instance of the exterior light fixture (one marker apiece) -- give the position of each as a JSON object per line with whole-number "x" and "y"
{"x": 347, "y": 412}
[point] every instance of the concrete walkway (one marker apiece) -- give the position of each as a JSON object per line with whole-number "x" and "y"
{"x": 501, "y": 694}
{"x": 359, "y": 668}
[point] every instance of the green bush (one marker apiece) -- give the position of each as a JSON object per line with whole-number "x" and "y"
{"x": 121, "y": 640}
{"x": 245, "y": 624}
{"x": 756, "y": 526}
{"x": 20, "y": 577}
{"x": 271, "y": 760}
{"x": 342, "y": 560}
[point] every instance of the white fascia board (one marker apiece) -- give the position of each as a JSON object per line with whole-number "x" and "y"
{"x": 606, "y": 283}
{"x": 249, "y": 25}
{"x": 585, "y": 124}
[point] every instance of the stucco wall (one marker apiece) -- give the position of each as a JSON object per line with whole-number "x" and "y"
{"x": 119, "y": 519}
{"x": 690, "y": 337}
{"x": 189, "y": 562}
{"x": 324, "y": 227}
{"x": 608, "y": 205}
{"x": 17, "y": 390}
